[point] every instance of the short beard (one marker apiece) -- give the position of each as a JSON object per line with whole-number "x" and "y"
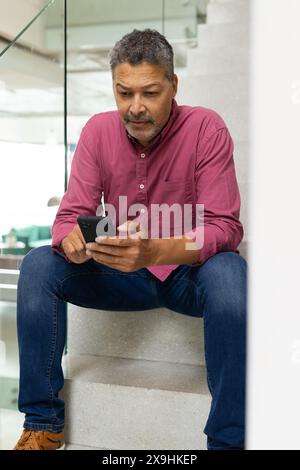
{"x": 128, "y": 119}
{"x": 137, "y": 135}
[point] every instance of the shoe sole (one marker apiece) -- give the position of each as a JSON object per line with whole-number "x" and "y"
{"x": 62, "y": 447}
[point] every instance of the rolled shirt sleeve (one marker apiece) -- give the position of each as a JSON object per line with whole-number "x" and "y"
{"x": 83, "y": 195}
{"x": 217, "y": 189}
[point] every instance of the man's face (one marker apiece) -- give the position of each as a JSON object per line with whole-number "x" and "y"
{"x": 143, "y": 96}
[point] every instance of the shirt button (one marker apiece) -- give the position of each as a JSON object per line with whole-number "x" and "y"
{"x": 143, "y": 155}
{"x": 142, "y": 211}
{"x": 142, "y": 186}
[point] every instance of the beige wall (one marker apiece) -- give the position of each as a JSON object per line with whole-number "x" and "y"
{"x": 16, "y": 14}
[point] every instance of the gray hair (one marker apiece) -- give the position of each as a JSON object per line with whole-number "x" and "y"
{"x": 143, "y": 46}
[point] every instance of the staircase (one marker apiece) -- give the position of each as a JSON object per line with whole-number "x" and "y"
{"x": 217, "y": 77}
{"x": 137, "y": 380}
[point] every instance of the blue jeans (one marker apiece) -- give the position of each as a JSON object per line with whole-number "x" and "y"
{"x": 216, "y": 291}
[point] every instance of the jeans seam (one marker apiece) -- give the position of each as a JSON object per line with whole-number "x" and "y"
{"x": 99, "y": 274}
{"x": 196, "y": 287}
{"x": 51, "y": 358}
{"x": 177, "y": 278}
{"x": 155, "y": 291}
{"x": 43, "y": 427}
{"x": 43, "y": 424}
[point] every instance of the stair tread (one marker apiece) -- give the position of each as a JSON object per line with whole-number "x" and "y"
{"x": 167, "y": 376}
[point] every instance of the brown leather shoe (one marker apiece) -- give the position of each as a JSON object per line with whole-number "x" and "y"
{"x": 40, "y": 440}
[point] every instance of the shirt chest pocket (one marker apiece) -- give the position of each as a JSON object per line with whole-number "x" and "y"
{"x": 179, "y": 190}
{"x": 175, "y": 185}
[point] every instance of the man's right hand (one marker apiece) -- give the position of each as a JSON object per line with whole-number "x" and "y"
{"x": 74, "y": 248}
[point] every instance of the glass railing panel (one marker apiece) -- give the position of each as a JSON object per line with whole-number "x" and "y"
{"x": 31, "y": 173}
{"x": 31, "y": 141}
{"x": 19, "y": 17}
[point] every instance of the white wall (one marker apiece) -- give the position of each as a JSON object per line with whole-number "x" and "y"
{"x": 274, "y": 316}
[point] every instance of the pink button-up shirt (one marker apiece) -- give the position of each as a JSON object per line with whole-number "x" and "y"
{"x": 189, "y": 162}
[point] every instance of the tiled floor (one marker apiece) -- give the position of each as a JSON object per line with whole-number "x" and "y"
{"x": 11, "y": 427}
{"x": 11, "y": 421}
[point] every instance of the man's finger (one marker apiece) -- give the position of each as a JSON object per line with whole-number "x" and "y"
{"x": 78, "y": 244}
{"x": 67, "y": 246}
{"x": 72, "y": 252}
{"x": 107, "y": 259}
{"x": 109, "y": 249}
{"x": 115, "y": 241}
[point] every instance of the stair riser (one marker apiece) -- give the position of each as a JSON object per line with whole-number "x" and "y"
{"x": 156, "y": 335}
{"x": 215, "y": 61}
{"x": 223, "y": 35}
{"x": 227, "y": 95}
{"x": 115, "y": 417}
{"x": 234, "y": 12}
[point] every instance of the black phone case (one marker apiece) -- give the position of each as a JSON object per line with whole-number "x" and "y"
{"x": 88, "y": 226}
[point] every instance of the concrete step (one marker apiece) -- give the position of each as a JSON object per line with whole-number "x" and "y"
{"x": 9, "y": 357}
{"x": 218, "y": 60}
{"x": 223, "y": 35}
{"x": 8, "y": 292}
{"x": 116, "y": 403}
{"x": 8, "y": 285}
{"x": 228, "y": 12}
{"x": 9, "y": 276}
{"x": 155, "y": 335}
{"x": 226, "y": 94}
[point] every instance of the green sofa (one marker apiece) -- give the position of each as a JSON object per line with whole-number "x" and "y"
{"x": 32, "y": 236}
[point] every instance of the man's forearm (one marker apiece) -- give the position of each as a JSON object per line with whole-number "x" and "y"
{"x": 173, "y": 251}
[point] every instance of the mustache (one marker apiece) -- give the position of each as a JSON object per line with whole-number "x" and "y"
{"x": 128, "y": 118}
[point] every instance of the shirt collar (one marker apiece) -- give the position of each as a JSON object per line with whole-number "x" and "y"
{"x": 157, "y": 139}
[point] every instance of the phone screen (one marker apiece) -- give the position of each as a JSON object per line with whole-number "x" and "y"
{"x": 95, "y": 226}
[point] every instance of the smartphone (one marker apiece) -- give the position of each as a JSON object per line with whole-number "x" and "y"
{"x": 93, "y": 226}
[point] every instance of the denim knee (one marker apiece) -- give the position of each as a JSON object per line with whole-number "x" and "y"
{"x": 38, "y": 259}
{"x": 226, "y": 286}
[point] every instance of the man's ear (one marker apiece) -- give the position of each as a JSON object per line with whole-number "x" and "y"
{"x": 113, "y": 83}
{"x": 175, "y": 85}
